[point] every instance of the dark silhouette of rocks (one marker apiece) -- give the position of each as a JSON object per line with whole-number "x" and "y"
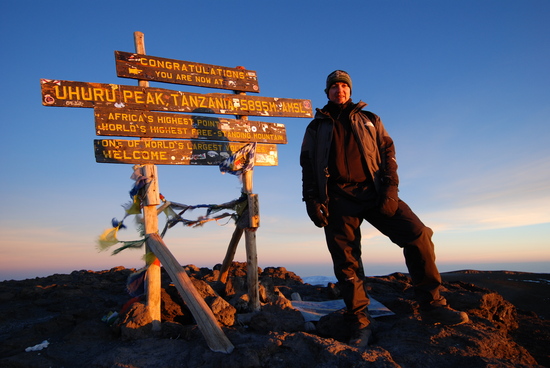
{"x": 63, "y": 321}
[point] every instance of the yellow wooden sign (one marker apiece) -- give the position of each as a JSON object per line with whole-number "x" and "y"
{"x": 180, "y": 152}
{"x": 153, "y": 68}
{"x": 83, "y": 94}
{"x": 148, "y": 124}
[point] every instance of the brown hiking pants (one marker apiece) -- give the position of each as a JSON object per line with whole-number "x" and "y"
{"x": 343, "y": 236}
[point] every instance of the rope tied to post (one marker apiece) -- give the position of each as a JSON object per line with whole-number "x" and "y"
{"x": 237, "y": 164}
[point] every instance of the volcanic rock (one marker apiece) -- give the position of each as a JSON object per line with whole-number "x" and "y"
{"x": 87, "y": 319}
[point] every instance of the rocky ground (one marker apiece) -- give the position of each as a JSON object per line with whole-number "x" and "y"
{"x": 61, "y": 321}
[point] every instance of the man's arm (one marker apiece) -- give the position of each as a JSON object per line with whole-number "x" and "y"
{"x": 317, "y": 211}
{"x": 309, "y": 186}
{"x": 386, "y": 148}
{"x": 388, "y": 197}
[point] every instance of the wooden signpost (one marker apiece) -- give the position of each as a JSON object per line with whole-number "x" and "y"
{"x": 182, "y": 152}
{"x": 150, "y": 197}
{"x": 139, "y": 123}
{"x": 147, "y": 67}
{"x": 61, "y": 93}
{"x": 186, "y": 139}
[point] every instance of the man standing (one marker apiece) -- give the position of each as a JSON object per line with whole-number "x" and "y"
{"x": 349, "y": 174}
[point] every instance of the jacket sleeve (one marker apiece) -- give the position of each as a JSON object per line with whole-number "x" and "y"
{"x": 386, "y": 148}
{"x": 309, "y": 183}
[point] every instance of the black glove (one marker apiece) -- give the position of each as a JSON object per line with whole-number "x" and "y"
{"x": 388, "y": 200}
{"x": 317, "y": 212}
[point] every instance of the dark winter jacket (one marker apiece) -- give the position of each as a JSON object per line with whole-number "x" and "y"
{"x": 375, "y": 145}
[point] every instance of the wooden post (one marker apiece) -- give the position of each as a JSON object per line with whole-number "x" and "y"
{"x": 250, "y": 241}
{"x": 230, "y": 254}
{"x": 251, "y": 254}
{"x": 211, "y": 330}
{"x": 150, "y": 202}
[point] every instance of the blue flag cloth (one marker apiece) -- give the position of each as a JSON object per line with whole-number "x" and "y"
{"x": 240, "y": 161}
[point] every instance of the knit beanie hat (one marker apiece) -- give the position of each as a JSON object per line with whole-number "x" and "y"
{"x": 338, "y": 76}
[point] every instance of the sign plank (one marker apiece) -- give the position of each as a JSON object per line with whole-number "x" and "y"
{"x": 146, "y": 67}
{"x": 148, "y": 124}
{"x": 181, "y": 152}
{"x": 84, "y": 94}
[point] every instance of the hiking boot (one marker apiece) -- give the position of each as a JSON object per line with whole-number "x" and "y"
{"x": 444, "y": 315}
{"x": 360, "y": 338}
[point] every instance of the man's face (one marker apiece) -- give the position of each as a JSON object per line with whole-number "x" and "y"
{"x": 339, "y": 93}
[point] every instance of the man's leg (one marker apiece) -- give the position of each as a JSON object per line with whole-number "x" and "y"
{"x": 406, "y": 230}
{"x": 343, "y": 238}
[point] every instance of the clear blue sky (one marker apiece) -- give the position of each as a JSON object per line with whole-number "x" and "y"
{"x": 463, "y": 87}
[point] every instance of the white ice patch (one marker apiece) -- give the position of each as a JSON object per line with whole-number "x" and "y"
{"x": 43, "y": 345}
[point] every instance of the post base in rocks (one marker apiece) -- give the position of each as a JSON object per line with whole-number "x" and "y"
{"x": 208, "y": 325}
